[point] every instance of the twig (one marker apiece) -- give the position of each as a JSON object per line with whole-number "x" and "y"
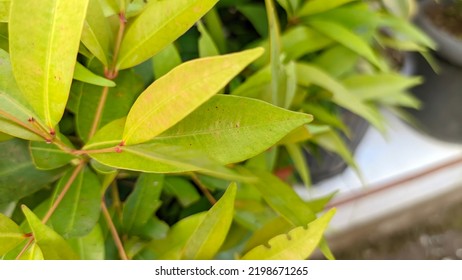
{"x": 203, "y": 189}
{"x": 114, "y": 233}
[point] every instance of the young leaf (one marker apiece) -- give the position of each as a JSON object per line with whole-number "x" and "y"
{"x": 33, "y": 253}
{"x": 10, "y": 234}
{"x": 298, "y": 244}
{"x": 319, "y": 6}
{"x": 78, "y": 212}
{"x": 347, "y": 38}
{"x": 81, "y": 73}
{"x": 308, "y": 74}
{"x": 206, "y": 45}
{"x": 300, "y": 163}
{"x": 208, "y": 237}
{"x": 47, "y": 157}
{"x": 18, "y": 176}
{"x": 142, "y": 202}
{"x": 43, "y": 55}
{"x": 170, "y": 248}
{"x": 96, "y": 33}
{"x": 165, "y": 60}
{"x": 90, "y": 246}
{"x": 274, "y": 227}
{"x": 53, "y": 246}
{"x": 282, "y": 198}
{"x": 178, "y": 93}
{"x": 158, "y": 25}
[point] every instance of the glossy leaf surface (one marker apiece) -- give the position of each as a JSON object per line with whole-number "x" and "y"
{"x": 158, "y": 25}
{"x": 297, "y": 244}
{"x": 78, "y": 212}
{"x": 43, "y": 61}
{"x": 90, "y": 246}
{"x": 178, "y": 93}
{"x": 207, "y": 239}
{"x": 53, "y": 246}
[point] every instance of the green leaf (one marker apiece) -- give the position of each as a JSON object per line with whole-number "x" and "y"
{"x": 308, "y": 74}
{"x": 10, "y": 234}
{"x": 277, "y": 74}
{"x": 171, "y": 247}
{"x": 43, "y": 55}
{"x": 178, "y": 93}
{"x": 78, "y": 212}
{"x": 300, "y": 163}
{"x": 154, "y": 157}
{"x": 282, "y": 198}
{"x": 328, "y": 139}
{"x": 4, "y": 44}
{"x": 347, "y": 38}
{"x": 215, "y": 127}
{"x": 4, "y": 10}
{"x": 53, "y": 246}
{"x": 12, "y": 105}
{"x": 46, "y": 156}
{"x": 142, "y": 202}
{"x": 158, "y": 25}
{"x": 81, "y": 73}
{"x": 376, "y": 86}
{"x": 33, "y": 253}
{"x": 319, "y": 6}
{"x": 117, "y": 104}
{"x": 18, "y": 175}
{"x": 96, "y": 33}
{"x": 208, "y": 237}
{"x": 206, "y": 45}
{"x": 183, "y": 190}
{"x": 165, "y": 60}
{"x": 90, "y": 246}
{"x": 274, "y": 227}
{"x": 215, "y": 26}
{"x": 297, "y": 244}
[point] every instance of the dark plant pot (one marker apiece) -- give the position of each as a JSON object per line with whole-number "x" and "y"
{"x": 441, "y": 96}
{"x": 327, "y": 164}
{"x": 441, "y": 93}
{"x": 449, "y": 46}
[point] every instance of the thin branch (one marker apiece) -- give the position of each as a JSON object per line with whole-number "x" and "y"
{"x": 116, "y": 149}
{"x": 99, "y": 112}
{"x": 24, "y": 249}
{"x": 63, "y": 192}
{"x": 24, "y": 125}
{"x": 203, "y": 188}
{"x": 114, "y": 233}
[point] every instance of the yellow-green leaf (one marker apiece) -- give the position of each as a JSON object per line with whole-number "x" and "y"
{"x": 10, "y": 234}
{"x": 53, "y": 246}
{"x": 96, "y": 33}
{"x": 81, "y": 73}
{"x": 44, "y": 41}
{"x": 4, "y": 10}
{"x": 319, "y": 6}
{"x": 207, "y": 239}
{"x": 297, "y": 244}
{"x": 176, "y": 94}
{"x": 207, "y": 46}
{"x": 158, "y": 25}
{"x": 166, "y": 60}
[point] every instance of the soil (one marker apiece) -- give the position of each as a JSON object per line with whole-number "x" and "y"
{"x": 430, "y": 231}
{"x": 447, "y": 16}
